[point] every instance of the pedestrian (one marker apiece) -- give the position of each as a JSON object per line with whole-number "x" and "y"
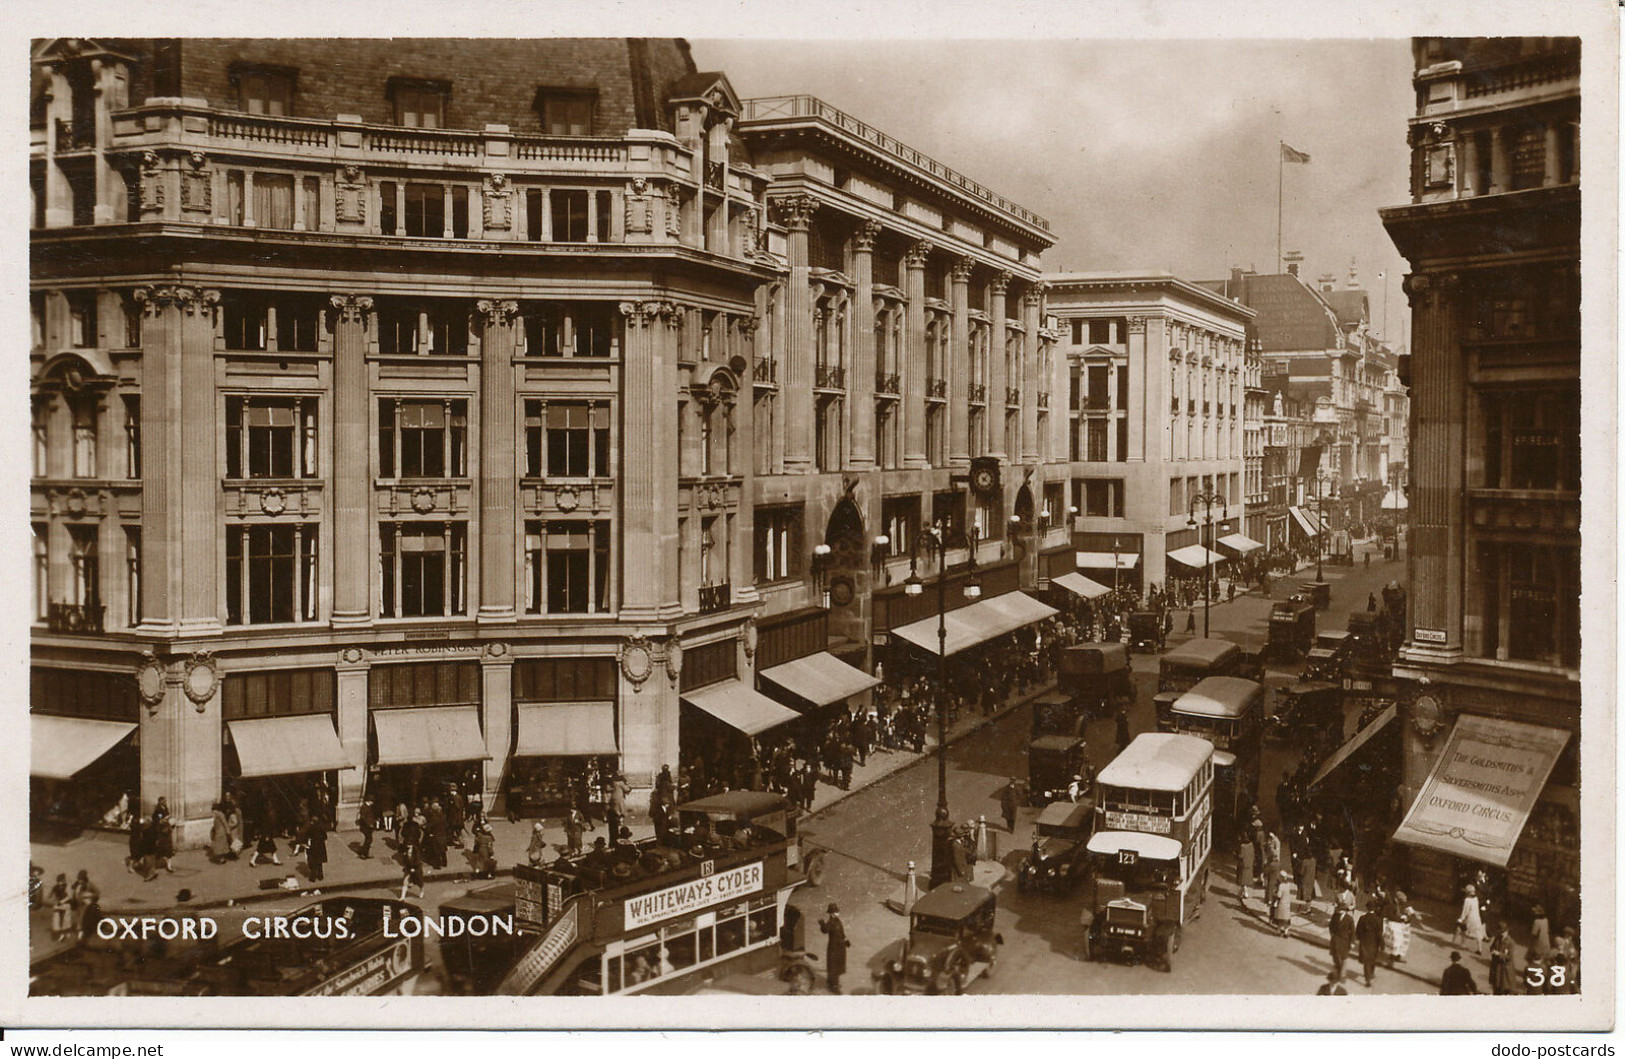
{"x": 61, "y": 909}
{"x": 1308, "y": 886}
{"x": 835, "y": 949}
{"x": 1232, "y": 592}
{"x": 1341, "y": 931}
{"x": 456, "y": 817}
{"x": 1457, "y": 980}
{"x": 665, "y": 787}
{"x": 485, "y": 856}
{"x": 1540, "y": 934}
{"x": 367, "y": 820}
{"x": 1244, "y": 868}
{"x": 316, "y": 847}
{"x": 411, "y": 871}
{"x": 536, "y": 852}
{"x": 139, "y": 860}
{"x": 234, "y": 828}
{"x": 1010, "y": 804}
{"x": 1396, "y": 927}
{"x": 1368, "y": 559}
{"x": 87, "y": 904}
{"x": 219, "y": 835}
{"x": 1470, "y": 921}
{"x": 616, "y": 811}
{"x": 1371, "y": 602}
{"x": 1124, "y": 734}
{"x": 1281, "y": 910}
{"x": 1333, "y": 986}
{"x": 1190, "y": 621}
{"x": 1501, "y": 977}
{"x": 265, "y": 849}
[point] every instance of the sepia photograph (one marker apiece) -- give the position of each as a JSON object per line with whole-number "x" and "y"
{"x": 757, "y": 519}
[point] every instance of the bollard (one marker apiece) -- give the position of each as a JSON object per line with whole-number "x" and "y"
{"x": 984, "y": 847}
{"x": 911, "y": 890}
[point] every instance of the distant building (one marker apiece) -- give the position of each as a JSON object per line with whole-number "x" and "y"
{"x": 1491, "y": 658}
{"x": 1159, "y": 382}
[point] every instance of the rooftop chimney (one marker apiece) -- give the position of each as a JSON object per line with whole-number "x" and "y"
{"x": 1293, "y": 259}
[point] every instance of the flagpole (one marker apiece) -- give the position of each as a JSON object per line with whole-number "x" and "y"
{"x": 1280, "y": 169}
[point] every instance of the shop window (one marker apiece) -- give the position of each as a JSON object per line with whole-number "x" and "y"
{"x": 567, "y": 567}
{"x": 566, "y": 440}
{"x": 1103, "y": 497}
{"x": 424, "y": 684}
{"x": 948, "y": 515}
{"x": 277, "y": 693}
{"x": 778, "y": 543}
{"x": 422, "y": 438}
{"x": 271, "y": 574}
{"x": 709, "y": 664}
{"x": 424, "y": 567}
{"x": 264, "y": 90}
{"x": 84, "y": 693}
{"x": 566, "y": 112}
{"x": 419, "y": 104}
{"x": 1054, "y": 513}
{"x": 270, "y": 437}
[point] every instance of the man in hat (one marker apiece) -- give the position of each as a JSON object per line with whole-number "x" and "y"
{"x": 1368, "y": 932}
{"x": 835, "y": 949}
{"x": 1009, "y": 805}
{"x": 1457, "y": 979}
{"x": 1341, "y": 932}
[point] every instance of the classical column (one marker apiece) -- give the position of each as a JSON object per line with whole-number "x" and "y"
{"x": 1553, "y": 173}
{"x": 198, "y": 471}
{"x": 1438, "y": 417}
{"x": 1500, "y": 161}
{"x": 796, "y": 384}
{"x": 1467, "y": 179}
{"x": 496, "y": 715}
{"x": 997, "y": 289}
{"x": 350, "y": 465}
{"x": 958, "y": 368}
{"x": 860, "y": 380}
{"x": 181, "y": 743}
{"x": 499, "y": 449}
{"x": 1057, "y": 384}
{"x": 160, "y": 397}
{"x": 914, "y": 359}
{"x": 1147, "y": 397}
{"x": 1031, "y": 303}
{"x": 352, "y": 724}
{"x": 649, "y": 464}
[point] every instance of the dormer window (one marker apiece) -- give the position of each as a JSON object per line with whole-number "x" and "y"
{"x": 264, "y": 89}
{"x": 419, "y": 104}
{"x": 566, "y": 111}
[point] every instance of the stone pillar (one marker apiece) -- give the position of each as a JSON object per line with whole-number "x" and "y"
{"x": 181, "y": 745}
{"x": 1147, "y": 397}
{"x": 997, "y": 383}
{"x": 860, "y": 382}
{"x": 200, "y": 523}
{"x": 1057, "y": 385}
{"x": 1500, "y": 161}
{"x": 496, "y": 717}
{"x": 914, "y": 359}
{"x": 352, "y": 725}
{"x": 160, "y": 385}
{"x": 958, "y": 367}
{"x": 648, "y": 713}
{"x": 1435, "y": 550}
{"x": 742, "y": 454}
{"x": 499, "y": 452}
{"x": 1467, "y": 179}
{"x": 796, "y": 384}
{"x": 649, "y": 464}
{"x": 350, "y": 465}
{"x": 58, "y": 192}
{"x": 1031, "y": 304}
{"x": 1553, "y": 174}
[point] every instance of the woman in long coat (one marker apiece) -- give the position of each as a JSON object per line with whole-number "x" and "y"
{"x": 219, "y": 835}
{"x": 1470, "y": 920}
{"x": 835, "y": 951}
{"x": 234, "y": 829}
{"x": 316, "y": 848}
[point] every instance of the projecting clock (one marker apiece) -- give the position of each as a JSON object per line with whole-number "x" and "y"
{"x": 983, "y": 480}
{"x": 1427, "y": 717}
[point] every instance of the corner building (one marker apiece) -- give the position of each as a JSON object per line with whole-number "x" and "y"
{"x": 1489, "y": 670}
{"x": 396, "y": 408}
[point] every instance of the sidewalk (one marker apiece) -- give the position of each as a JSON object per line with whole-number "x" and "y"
{"x": 234, "y": 882}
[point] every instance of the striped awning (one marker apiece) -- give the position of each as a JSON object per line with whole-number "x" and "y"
{"x": 1305, "y": 521}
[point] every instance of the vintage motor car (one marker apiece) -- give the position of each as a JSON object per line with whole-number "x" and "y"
{"x": 951, "y": 942}
{"x": 1308, "y": 713}
{"x": 1096, "y": 676}
{"x": 1145, "y": 630}
{"x": 1330, "y": 656}
{"x": 1052, "y": 762}
{"x": 1060, "y": 848}
{"x": 1291, "y": 629}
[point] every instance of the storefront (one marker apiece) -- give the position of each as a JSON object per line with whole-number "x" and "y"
{"x": 566, "y": 746}
{"x": 86, "y": 759}
{"x": 281, "y": 752}
{"x": 970, "y": 626}
{"x": 1500, "y": 797}
{"x": 426, "y": 734}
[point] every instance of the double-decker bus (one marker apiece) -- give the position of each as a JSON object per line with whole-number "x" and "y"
{"x": 1189, "y": 664}
{"x": 1149, "y": 853}
{"x": 656, "y": 916}
{"x": 1229, "y": 713}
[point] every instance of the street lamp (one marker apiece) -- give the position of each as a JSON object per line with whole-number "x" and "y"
{"x": 1117, "y": 544}
{"x": 1320, "y": 520}
{"x": 1207, "y": 501}
{"x": 942, "y": 861}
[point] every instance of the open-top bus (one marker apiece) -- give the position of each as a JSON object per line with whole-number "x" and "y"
{"x": 1229, "y": 713}
{"x": 657, "y": 916}
{"x": 1149, "y": 853}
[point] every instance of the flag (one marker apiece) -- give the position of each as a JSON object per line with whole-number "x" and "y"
{"x": 1290, "y": 154}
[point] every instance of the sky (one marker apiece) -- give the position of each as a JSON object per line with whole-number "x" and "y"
{"x": 1142, "y": 154}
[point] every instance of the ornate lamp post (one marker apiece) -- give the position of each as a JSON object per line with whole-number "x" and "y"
{"x": 942, "y": 861}
{"x": 1207, "y": 501}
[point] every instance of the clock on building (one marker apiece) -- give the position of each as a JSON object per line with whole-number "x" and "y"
{"x": 984, "y": 475}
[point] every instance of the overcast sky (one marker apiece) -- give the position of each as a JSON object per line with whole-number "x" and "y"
{"x": 1150, "y": 154}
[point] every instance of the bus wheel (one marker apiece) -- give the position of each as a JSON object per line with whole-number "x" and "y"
{"x": 815, "y": 868}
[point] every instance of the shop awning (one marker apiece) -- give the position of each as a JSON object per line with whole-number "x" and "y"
{"x": 62, "y": 746}
{"x": 281, "y": 746}
{"x": 1079, "y": 585}
{"x": 1394, "y": 500}
{"x": 1306, "y": 522}
{"x": 425, "y": 734}
{"x": 566, "y": 729}
{"x": 1196, "y": 557}
{"x": 1481, "y": 790}
{"x": 1355, "y": 742}
{"x": 738, "y": 705}
{"x": 1240, "y": 542}
{"x": 820, "y": 678}
{"x": 977, "y": 623}
{"x": 1106, "y": 560}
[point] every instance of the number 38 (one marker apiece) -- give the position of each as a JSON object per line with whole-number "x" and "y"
{"x": 1536, "y": 977}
